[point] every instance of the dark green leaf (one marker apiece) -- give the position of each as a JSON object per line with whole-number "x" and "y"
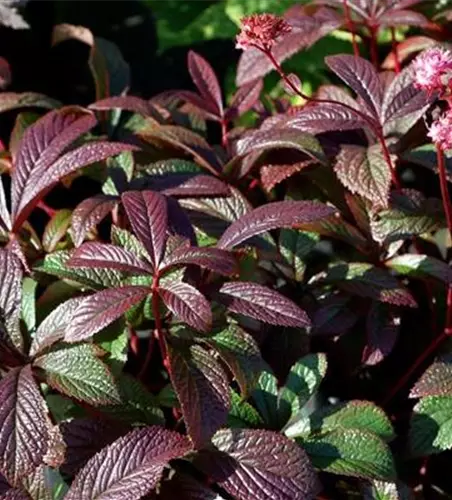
{"x": 421, "y": 266}
{"x": 56, "y": 229}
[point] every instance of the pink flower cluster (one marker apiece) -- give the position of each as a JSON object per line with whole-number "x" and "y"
{"x": 433, "y": 70}
{"x": 433, "y": 73}
{"x": 261, "y": 31}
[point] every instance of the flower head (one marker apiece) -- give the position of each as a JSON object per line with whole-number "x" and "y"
{"x": 441, "y": 131}
{"x": 433, "y": 70}
{"x": 261, "y": 31}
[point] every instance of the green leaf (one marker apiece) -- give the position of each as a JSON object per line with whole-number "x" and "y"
{"x": 56, "y": 229}
{"x": 351, "y": 452}
{"x": 136, "y": 404}
{"x": 128, "y": 241}
{"x": 361, "y": 415}
{"x": 382, "y": 490}
{"x": 436, "y": 380}
{"x": 421, "y": 266}
{"x": 63, "y": 408}
{"x": 241, "y": 353}
{"x": 55, "y": 264}
{"x": 28, "y": 309}
{"x": 172, "y": 166}
{"x": 364, "y": 279}
{"x": 242, "y": 414}
{"x": 265, "y": 397}
{"x": 77, "y": 372}
{"x": 114, "y": 341}
{"x": 431, "y": 426}
{"x": 120, "y": 171}
{"x": 303, "y": 380}
{"x": 407, "y": 216}
{"x": 294, "y": 246}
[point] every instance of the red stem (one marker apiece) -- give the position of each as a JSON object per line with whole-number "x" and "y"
{"x": 158, "y": 323}
{"x": 373, "y": 45}
{"x": 377, "y": 129}
{"x": 351, "y": 28}
{"x": 448, "y": 323}
{"x": 224, "y": 133}
{"x": 395, "y": 50}
{"x": 45, "y": 208}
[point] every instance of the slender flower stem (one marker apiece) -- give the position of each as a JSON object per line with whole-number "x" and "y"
{"x": 376, "y": 128}
{"x": 351, "y": 28}
{"x": 395, "y": 51}
{"x": 158, "y": 323}
{"x": 447, "y": 332}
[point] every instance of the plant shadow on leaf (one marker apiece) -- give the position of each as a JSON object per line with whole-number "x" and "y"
{"x": 424, "y": 431}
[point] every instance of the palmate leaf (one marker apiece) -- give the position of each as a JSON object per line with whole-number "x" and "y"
{"x": 130, "y": 467}
{"x": 278, "y": 214}
{"x": 102, "y": 308}
{"x": 77, "y": 372}
{"x": 257, "y": 463}
{"x": 107, "y": 256}
{"x": 365, "y": 171}
{"x": 206, "y": 82}
{"x": 89, "y": 213}
{"x": 202, "y": 389}
{"x": 24, "y": 426}
{"x": 188, "y": 304}
{"x": 350, "y": 452}
{"x": 148, "y": 216}
{"x": 361, "y": 76}
{"x": 10, "y": 295}
{"x": 262, "y": 303}
{"x": 240, "y": 352}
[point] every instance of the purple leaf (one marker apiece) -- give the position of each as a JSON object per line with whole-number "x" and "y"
{"x": 24, "y": 433}
{"x": 326, "y": 118}
{"x": 259, "y": 464}
{"x": 188, "y": 304}
{"x": 285, "y": 138}
{"x": 84, "y": 437}
{"x": 361, "y": 76}
{"x": 13, "y": 100}
{"x": 5, "y": 217}
{"x": 206, "y": 109}
{"x": 203, "y": 391}
{"x": 107, "y": 256}
{"x": 244, "y": 99}
{"x": 148, "y": 215}
{"x": 89, "y": 213}
{"x": 278, "y": 214}
{"x": 382, "y": 333}
{"x": 127, "y": 103}
{"x": 403, "y": 17}
{"x": 53, "y": 327}
{"x": 130, "y": 467}
{"x": 402, "y": 98}
{"x": 102, "y": 308}
{"x": 41, "y": 180}
{"x": 272, "y": 175}
{"x": 10, "y": 295}
{"x": 5, "y": 73}
{"x": 42, "y": 144}
{"x": 191, "y": 185}
{"x": 206, "y": 81}
{"x": 215, "y": 259}
{"x": 365, "y": 171}
{"x": 262, "y": 303}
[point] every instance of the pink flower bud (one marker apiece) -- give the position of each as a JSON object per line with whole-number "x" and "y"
{"x": 441, "y": 131}
{"x": 261, "y": 31}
